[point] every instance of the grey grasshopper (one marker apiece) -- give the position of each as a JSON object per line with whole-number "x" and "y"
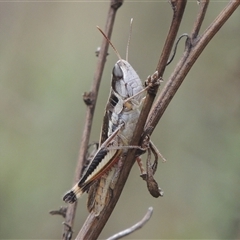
{"x": 121, "y": 116}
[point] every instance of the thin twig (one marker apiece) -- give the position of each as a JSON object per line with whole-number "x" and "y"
{"x": 62, "y": 212}
{"x": 178, "y": 8}
{"x": 135, "y": 227}
{"x": 198, "y": 23}
{"x": 92, "y": 97}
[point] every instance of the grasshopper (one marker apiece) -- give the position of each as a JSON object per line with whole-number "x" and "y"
{"x": 121, "y": 116}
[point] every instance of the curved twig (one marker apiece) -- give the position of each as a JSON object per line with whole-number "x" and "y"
{"x": 135, "y": 227}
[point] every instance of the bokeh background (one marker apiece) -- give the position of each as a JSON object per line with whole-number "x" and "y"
{"x": 47, "y": 62}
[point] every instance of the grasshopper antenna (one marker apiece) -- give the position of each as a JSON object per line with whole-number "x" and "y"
{"x": 109, "y": 41}
{"x": 129, "y": 38}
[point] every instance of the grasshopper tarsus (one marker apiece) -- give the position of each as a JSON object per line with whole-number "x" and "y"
{"x": 152, "y": 83}
{"x": 70, "y": 197}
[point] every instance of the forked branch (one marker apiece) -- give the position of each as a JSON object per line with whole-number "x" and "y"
{"x": 194, "y": 47}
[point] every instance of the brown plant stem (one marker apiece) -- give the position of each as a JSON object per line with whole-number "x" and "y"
{"x": 92, "y": 97}
{"x": 178, "y": 8}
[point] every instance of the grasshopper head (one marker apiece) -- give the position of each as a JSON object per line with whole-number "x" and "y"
{"x": 125, "y": 80}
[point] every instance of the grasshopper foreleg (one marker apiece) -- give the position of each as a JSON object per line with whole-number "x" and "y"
{"x": 151, "y": 168}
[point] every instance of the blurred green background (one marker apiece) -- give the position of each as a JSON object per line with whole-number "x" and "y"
{"x": 47, "y": 62}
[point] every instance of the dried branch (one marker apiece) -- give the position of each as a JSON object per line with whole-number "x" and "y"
{"x": 198, "y": 23}
{"x": 178, "y": 8}
{"x": 134, "y": 228}
{"x": 90, "y": 99}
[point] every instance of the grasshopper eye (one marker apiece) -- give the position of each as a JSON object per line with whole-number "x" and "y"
{"x": 117, "y": 72}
